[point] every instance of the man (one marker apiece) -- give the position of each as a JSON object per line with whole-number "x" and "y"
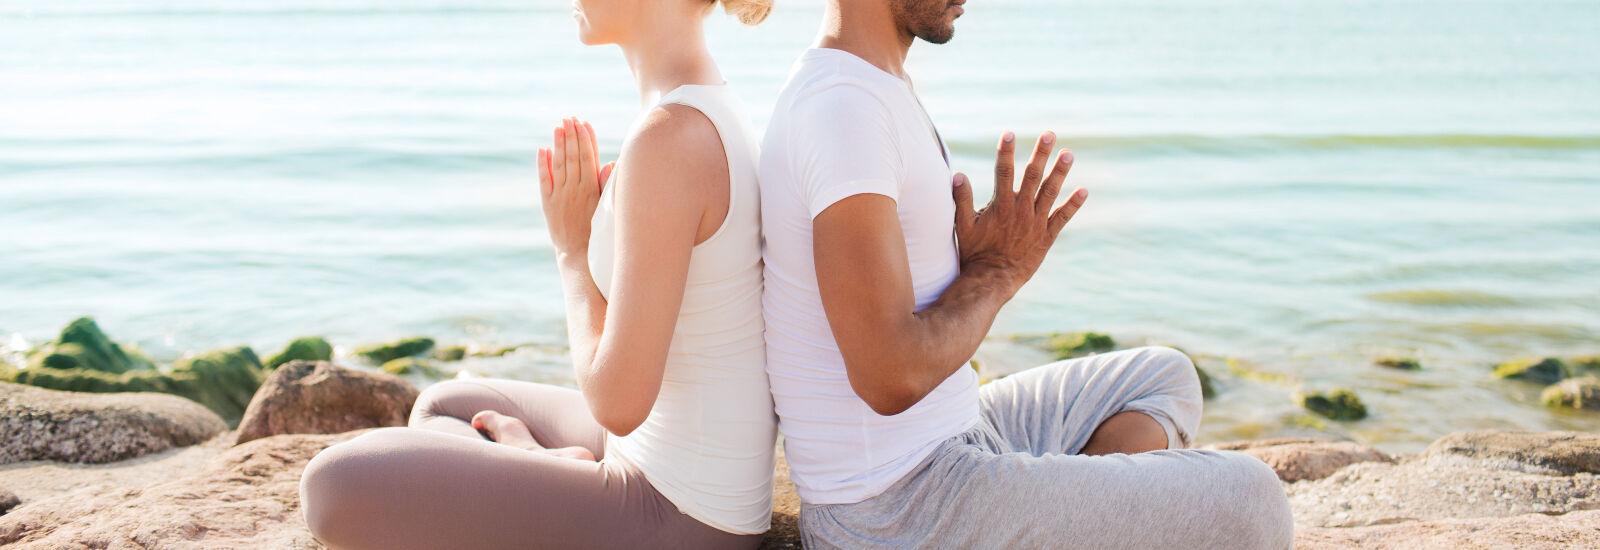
{"x": 881, "y": 280}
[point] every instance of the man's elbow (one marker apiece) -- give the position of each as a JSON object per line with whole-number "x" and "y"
{"x": 888, "y": 398}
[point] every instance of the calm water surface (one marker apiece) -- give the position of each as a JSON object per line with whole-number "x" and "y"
{"x": 1299, "y": 186}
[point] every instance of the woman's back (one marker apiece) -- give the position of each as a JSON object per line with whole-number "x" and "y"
{"x": 708, "y": 442}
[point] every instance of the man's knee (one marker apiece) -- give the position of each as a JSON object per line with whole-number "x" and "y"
{"x": 1264, "y": 519}
{"x": 1173, "y": 365}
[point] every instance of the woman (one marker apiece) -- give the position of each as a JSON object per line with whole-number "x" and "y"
{"x": 670, "y": 441}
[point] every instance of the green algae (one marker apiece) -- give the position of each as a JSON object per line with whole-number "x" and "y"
{"x": 1544, "y": 371}
{"x": 222, "y": 380}
{"x": 308, "y": 348}
{"x": 1078, "y": 344}
{"x": 1399, "y": 363}
{"x": 1338, "y": 404}
{"x": 384, "y": 353}
{"x": 83, "y": 345}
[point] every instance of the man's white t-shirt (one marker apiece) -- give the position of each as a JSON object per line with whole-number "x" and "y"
{"x": 843, "y": 127}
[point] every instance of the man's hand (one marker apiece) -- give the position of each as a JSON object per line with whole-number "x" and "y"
{"x": 1013, "y": 233}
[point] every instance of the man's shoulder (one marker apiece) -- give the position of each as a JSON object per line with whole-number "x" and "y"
{"x": 827, "y": 86}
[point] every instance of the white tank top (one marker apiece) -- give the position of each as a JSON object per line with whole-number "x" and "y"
{"x": 708, "y": 443}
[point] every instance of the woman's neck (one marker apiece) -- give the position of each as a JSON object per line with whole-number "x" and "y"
{"x": 672, "y": 54}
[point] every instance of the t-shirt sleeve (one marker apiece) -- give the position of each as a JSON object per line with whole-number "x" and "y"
{"x": 842, "y": 144}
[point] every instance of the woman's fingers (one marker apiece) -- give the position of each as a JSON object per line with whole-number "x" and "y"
{"x": 546, "y": 180}
{"x": 587, "y": 166}
{"x": 594, "y": 148}
{"x": 1035, "y": 170}
{"x": 605, "y": 173}
{"x": 1052, "y": 184}
{"x": 558, "y": 159}
{"x": 574, "y": 151}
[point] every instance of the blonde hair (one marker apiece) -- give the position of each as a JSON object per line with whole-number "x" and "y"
{"x": 749, "y": 12}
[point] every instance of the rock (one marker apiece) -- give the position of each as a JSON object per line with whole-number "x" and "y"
{"x": 384, "y": 353}
{"x": 321, "y": 398}
{"x": 246, "y": 497}
{"x": 1549, "y": 453}
{"x": 1078, "y": 344}
{"x": 412, "y": 365}
{"x": 1335, "y": 405}
{"x": 84, "y": 427}
{"x": 1207, "y": 390}
{"x": 1544, "y": 371}
{"x": 452, "y": 353}
{"x": 1576, "y": 393}
{"x": 222, "y": 380}
{"x": 8, "y": 501}
{"x": 1299, "y": 459}
{"x": 83, "y": 345}
{"x": 1486, "y": 474}
{"x": 310, "y": 348}
{"x": 1572, "y": 530}
{"x": 1399, "y": 363}
{"x": 1586, "y": 363}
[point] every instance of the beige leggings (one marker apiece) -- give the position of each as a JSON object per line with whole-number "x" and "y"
{"x": 438, "y": 483}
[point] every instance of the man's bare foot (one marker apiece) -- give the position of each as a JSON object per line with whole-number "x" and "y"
{"x": 509, "y": 430}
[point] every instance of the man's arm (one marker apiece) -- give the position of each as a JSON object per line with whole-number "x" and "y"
{"x": 893, "y": 354}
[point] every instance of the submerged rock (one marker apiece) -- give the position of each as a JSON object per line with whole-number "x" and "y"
{"x": 1398, "y": 363}
{"x": 1299, "y": 459}
{"x": 1544, "y": 371}
{"x": 310, "y": 348}
{"x": 222, "y": 380}
{"x": 413, "y": 365}
{"x": 82, "y": 345}
{"x": 384, "y": 353}
{"x": 451, "y": 353}
{"x": 1078, "y": 344}
{"x": 1576, "y": 393}
{"x": 41, "y": 424}
{"x": 321, "y": 398}
{"x": 1335, "y": 405}
{"x": 246, "y": 497}
{"x": 1207, "y": 390}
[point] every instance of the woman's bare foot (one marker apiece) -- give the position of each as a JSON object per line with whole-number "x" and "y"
{"x": 508, "y": 430}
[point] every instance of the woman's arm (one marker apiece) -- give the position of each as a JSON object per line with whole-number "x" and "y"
{"x": 673, "y": 194}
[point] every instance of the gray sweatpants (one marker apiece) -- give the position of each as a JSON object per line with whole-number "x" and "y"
{"x": 1016, "y": 481}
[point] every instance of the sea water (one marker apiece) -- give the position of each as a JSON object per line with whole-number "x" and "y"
{"x": 1300, "y": 187}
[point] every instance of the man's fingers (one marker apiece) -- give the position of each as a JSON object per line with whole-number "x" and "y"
{"x": 1064, "y": 214}
{"x": 1004, "y": 166}
{"x": 1052, "y": 183}
{"x": 963, "y": 194}
{"x": 1035, "y": 170}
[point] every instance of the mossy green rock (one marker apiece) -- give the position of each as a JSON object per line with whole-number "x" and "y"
{"x": 1078, "y": 344}
{"x": 412, "y": 365}
{"x": 384, "y": 353}
{"x": 1207, "y": 391}
{"x": 1399, "y": 363}
{"x": 82, "y": 345}
{"x": 452, "y": 353}
{"x": 1576, "y": 393}
{"x": 1544, "y": 371}
{"x": 223, "y": 380}
{"x": 1587, "y": 363}
{"x": 1335, "y": 405}
{"x": 310, "y": 348}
